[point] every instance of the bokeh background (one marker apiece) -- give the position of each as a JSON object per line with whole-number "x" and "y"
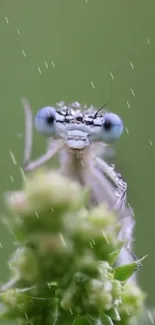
{"x": 92, "y": 51}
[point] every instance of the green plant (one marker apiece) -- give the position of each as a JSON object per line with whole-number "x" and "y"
{"x": 63, "y": 269}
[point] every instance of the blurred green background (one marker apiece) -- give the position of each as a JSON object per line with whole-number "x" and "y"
{"x": 53, "y": 50}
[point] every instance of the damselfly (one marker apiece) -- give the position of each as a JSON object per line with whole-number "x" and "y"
{"x": 80, "y": 136}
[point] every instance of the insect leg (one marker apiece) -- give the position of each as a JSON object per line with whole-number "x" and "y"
{"x": 119, "y": 186}
{"x": 28, "y": 130}
{"x": 103, "y": 192}
{"x": 100, "y": 186}
{"x": 30, "y": 165}
{"x": 106, "y": 169}
{"x": 44, "y": 158}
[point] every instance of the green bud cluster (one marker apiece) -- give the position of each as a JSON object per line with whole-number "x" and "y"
{"x": 64, "y": 264}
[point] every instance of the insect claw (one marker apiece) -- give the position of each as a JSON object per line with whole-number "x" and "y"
{"x": 135, "y": 258}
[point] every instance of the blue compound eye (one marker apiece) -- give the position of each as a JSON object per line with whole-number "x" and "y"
{"x": 45, "y": 121}
{"x": 112, "y": 128}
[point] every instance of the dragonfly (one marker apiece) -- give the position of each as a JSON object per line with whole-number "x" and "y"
{"x": 80, "y": 135}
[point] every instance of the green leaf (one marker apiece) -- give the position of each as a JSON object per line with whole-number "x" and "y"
{"x": 123, "y": 273}
{"x": 84, "y": 320}
{"x": 106, "y": 320}
{"x": 64, "y": 318}
{"x": 114, "y": 314}
{"x": 93, "y": 319}
{"x": 112, "y": 257}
